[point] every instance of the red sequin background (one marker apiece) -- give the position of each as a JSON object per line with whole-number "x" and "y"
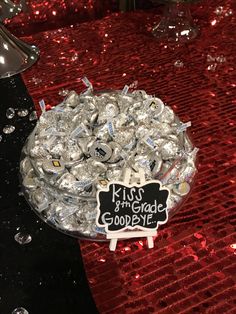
{"x": 42, "y": 15}
{"x": 192, "y": 268}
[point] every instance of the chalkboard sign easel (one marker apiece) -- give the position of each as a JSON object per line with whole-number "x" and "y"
{"x": 132, "y": 210}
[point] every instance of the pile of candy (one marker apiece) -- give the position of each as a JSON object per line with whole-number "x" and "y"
{"x": 88, "y": 140}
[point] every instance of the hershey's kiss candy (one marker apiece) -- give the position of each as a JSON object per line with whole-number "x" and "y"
{"x": 140, "y": 94}
{"x": 116, "y": 150}
{"x": 155, "y": 164}
{"x": 102, "y": 182}
{"x": 169, "y": 150}
{"x": 53, "y": 166}
{"x": 66, "y": 181}
{"x": 100, "y": 151}
{"x": 155, "y": 106}
{"x": 25, "y": 165}
{"x": 181, "y": 189}
{"x": 40, "y": 200}
{"x": 72, "y": 99}
{"x": 29, "y": 183}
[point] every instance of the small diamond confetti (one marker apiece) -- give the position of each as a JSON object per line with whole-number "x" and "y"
{"x": 20, "y": 310}
{"x": 8, "y": 129}
{"x": 23, "y": 238}
{"x": 75, "y": 57}
{"x": 229, "y": 12}
{"x": 22, "y": 112}
{"x": 33, "y": 116}
{"x": 63, "y": 92}
{"x": 219, "y": 10}
{"x": 178, "y": 64}
{"x": 212, "y": 67}
{"x": 10, "y": 113}
{"x": 36, "y": 80}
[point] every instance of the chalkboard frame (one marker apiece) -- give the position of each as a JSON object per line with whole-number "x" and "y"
{"x": 137, "y": 227}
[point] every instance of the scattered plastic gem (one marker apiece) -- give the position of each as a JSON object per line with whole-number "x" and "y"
{"x": 219, "y": 10}
{"x": 179, "y": 64}
{"x": 63, "y": 92}
{"x": 221, "y": 59}
{"x": 22, "y": 112}
{"x": 229, "y": 12}
{"x": 36, "y": 80}
{"x": 10, "y": 113}
{"x": 74, "y": 57}
{"x": 23, "y": 238}
{"x": 20, "y": 310}
{"x": 8, "y": 129}
{"x": 212, "y": 67}
{"x": 33, "y": 116}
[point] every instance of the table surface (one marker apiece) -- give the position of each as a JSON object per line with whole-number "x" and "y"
{"x": 192, "y": 267}
{"x": 47, "y": 274}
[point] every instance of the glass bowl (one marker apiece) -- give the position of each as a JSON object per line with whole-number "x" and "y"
{"x": 73, "y": 211}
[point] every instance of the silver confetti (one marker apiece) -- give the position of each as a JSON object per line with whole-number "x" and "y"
{"x": 10, "y": 113}
{"x": 219, "y": 10}
{"x": 179, "y": 64}
{"x": 22, "y": 112}
{"x": 8, "y": 129}
{"x": 23, "y": 238}
{"x": 33, "y": 116}
{"x": 20, "y": 310}
{"x": 63, "y": 92}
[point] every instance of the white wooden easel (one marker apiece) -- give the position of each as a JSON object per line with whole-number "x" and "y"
{"x": 138, "y": 178}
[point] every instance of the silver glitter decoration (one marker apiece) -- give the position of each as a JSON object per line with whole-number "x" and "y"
{"x": 63, "y": 92}
{"x": 179, "y": 64}
{"x": 219, "y": 10}
{"x": 8, "y": 129}
{"x": 33, "y": 116}
{"x": 10, "y": 113}
{"x": 74, "y": 57}
{"x": 229, "y": 12}
{"x": 22, "y": 112}
{"x": 23, "y": 238}
{"x": 20, "y": 310}
{"x": 88, "y": 140}
{"x": 36, "y": 80}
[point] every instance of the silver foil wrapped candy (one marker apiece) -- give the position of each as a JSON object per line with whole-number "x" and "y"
{"x": 88, "y": 140}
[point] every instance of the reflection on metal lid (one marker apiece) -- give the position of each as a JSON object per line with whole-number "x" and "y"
{"x": 15, "y": 55}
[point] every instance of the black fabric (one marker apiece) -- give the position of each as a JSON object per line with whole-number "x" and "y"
{"x": 45, "y": 276}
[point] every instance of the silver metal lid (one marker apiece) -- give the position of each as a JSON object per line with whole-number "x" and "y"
{"x": 15, "y": 55}
{"x": 8, "y": 9}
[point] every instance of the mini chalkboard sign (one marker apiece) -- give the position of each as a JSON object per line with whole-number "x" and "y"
{"x": 132, "y": 210}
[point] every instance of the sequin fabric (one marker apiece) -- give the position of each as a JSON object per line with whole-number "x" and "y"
{"x": 40, "y": 15}
{"x": 193, "y": 264}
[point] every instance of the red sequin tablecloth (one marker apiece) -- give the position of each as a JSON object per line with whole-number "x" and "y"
{"x": 192, "y": 268}
{"x": 39, "y": 15}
